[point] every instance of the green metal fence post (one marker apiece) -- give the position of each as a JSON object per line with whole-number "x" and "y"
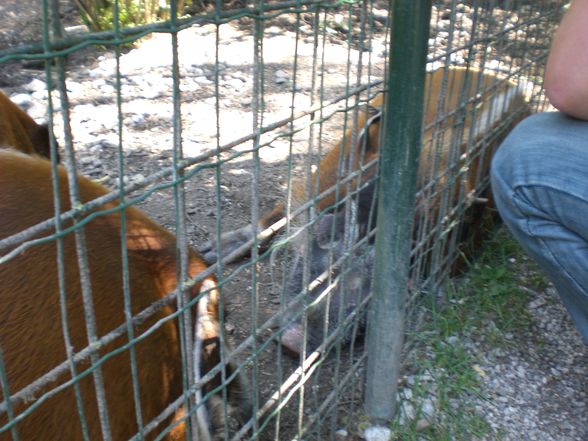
{"x": 398, "y": 171}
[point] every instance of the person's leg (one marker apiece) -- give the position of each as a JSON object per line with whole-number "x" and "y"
{"x": 539, "y": 180}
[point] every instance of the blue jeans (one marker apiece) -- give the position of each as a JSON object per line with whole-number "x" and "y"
{"x": 540, "y": 184}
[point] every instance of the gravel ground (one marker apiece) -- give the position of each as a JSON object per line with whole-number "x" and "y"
{"x": 537, "y": 385}
{"x": 533, "y": 382}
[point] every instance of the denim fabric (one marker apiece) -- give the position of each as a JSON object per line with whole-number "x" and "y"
{"x": 540, "y": 183}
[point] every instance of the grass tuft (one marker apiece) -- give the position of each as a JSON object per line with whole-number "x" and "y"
{"x": 487, "y": 305}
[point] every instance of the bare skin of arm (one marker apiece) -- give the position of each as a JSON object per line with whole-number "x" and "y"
{"x": 566, "y": 75}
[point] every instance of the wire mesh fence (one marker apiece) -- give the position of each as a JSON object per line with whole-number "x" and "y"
{"x": 252, "y": 132}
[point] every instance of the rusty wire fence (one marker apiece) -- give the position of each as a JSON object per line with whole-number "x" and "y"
{"x": 252, "y": 132}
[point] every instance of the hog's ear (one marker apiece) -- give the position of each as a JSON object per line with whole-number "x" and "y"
{"x": 368, "y": 136}
{"x": 329, "y": 231}
{"x": 39, "y": 136}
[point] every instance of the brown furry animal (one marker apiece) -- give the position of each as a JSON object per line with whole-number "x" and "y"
{"x": 489, "y": 100}
{"x": 31, "y": 334}
{"x": 462, "y": 106}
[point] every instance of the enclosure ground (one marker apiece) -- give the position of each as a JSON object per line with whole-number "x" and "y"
{"x": 501, "y": 360}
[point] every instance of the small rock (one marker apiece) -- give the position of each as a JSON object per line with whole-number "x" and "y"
{"x": 407, "y": 412}
{"x": 273, "y": 30}
{"x": 94, "y": 172}
{"x": 407, "y": 393}
{"x": 197, "y": 71}
{"x": 108, "y": 144}
{"x": 23, "y": 100}
{"x": 202, "y": 80}
{"x": 96, "y": 149}
{"x": 428, "y": 408}
{"x": 36, "y": 85}
{"x": 150, "y": 93}
{"x": 537, "y": 303}
{"x": 75, "y": 88}
{"x": 137, "y": 120}
{"x": 191, "y": 86}
{"x": 377, "y": 433}
{"x": 235, "y": 83}
{"x": 107, "y": 89}
{"x": 422, "y": 424}
{"x": 453, "y": 340}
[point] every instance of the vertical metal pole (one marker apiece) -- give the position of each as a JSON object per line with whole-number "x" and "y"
{"x": 398, "y": 171}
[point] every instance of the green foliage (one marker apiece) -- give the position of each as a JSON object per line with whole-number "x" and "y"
{"x": 130, "y": 13}
{"x": 487, "y": 305}
{"x": 100, "y": 15}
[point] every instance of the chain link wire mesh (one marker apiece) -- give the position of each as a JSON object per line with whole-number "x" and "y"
{"x": 250, "y": 130}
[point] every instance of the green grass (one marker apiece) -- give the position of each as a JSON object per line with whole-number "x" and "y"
{"x": 488, "y": 305}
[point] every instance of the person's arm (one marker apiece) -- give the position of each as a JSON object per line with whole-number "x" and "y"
{"x": 566, "y": 74}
